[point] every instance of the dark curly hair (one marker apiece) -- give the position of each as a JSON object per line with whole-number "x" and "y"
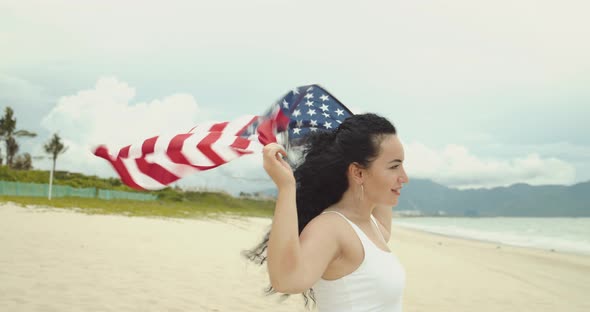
{"x": 321, "y": 177}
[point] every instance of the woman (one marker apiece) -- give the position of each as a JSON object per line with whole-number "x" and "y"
{"x": 333, "y": 218}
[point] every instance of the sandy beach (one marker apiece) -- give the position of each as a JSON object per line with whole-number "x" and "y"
{"x": 61, "y": 260}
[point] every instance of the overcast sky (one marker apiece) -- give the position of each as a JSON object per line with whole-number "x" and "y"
{"x": 483, "y": 93}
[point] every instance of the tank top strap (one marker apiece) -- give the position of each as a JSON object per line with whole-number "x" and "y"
{"x": 378, "y": 228}
{"x": 361, "y": 235}
{"x": 340, "y": 214}
{"x": 365, "y": 240}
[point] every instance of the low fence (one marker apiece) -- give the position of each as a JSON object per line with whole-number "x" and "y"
{"x": 42, "y": 190}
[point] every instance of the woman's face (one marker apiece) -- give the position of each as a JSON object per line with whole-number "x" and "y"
{"x": 386, "y": 174}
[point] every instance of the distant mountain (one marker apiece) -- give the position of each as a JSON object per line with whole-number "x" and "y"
{"x": 518, "y": 200}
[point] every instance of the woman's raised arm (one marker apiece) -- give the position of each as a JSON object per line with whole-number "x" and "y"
{"x": 294, "y": 264}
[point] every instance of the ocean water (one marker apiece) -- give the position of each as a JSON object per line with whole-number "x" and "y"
{"x": 560, "y": 234}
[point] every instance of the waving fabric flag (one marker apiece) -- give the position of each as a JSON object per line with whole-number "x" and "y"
{"x": 161, "y": 160}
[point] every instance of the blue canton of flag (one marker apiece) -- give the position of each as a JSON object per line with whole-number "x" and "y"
{"x": 310, "y": 109}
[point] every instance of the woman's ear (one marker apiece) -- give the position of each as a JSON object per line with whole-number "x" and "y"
{"x": 356, "y": 172}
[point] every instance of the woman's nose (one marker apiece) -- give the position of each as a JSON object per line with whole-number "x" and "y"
{"x": 404, "y": 178}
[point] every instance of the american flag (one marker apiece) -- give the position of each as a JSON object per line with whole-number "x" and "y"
{"x": 310, "y": 109}
{"x": 160, "y": 161}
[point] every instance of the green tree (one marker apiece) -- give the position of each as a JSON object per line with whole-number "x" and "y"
{"x": 11, "y": 149}
{"x": 54, "y": 148}
{"x": 8, "y": 134}
{"x": 23, "y": 162}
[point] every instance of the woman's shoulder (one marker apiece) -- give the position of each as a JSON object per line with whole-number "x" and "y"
{"x": 326, "y": 223}
{"x": 329, "y": 216}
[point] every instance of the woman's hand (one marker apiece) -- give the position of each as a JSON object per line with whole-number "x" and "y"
{"x": 276, "y": 167}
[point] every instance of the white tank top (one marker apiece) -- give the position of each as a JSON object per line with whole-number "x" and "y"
{"x": 376, "y": 285}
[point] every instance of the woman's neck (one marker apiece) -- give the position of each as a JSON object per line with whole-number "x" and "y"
{"x": 351, "y": 205}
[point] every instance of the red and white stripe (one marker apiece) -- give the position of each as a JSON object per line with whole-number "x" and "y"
{"x": 159, "y": 161}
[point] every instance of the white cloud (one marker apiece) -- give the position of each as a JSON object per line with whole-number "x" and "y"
{"x": 562, "y": 150}
{"x": 106, "y": 114}
{"x": 455, "y": 166}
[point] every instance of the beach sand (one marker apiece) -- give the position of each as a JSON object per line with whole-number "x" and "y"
{"x": 60, "y": 260}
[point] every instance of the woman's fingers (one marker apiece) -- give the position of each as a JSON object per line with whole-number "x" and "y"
{"x": 276, "y": 167}
{"x": 274, "y": 150}
{"x": 281, "y": 153}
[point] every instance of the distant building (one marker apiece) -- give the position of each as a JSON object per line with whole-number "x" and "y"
{"x": 418, "y": 213}
{"x": 256, "y": 196}
{"x": 407, "y": 213}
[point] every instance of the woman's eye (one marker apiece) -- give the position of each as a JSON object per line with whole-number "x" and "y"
{"x": 394, "y": 167}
